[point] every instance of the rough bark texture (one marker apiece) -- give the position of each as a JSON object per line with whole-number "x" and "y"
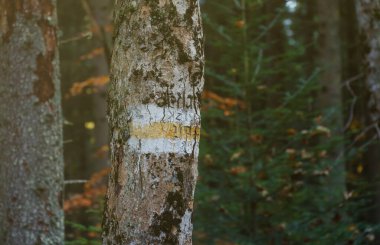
{"x": 328, "y": 59}
{"x": 368, "y": 14}
{"x": 154, "y": 99}
{"x": 31, "y": 164}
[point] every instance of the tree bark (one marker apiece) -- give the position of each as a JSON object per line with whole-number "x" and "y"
{"x": 369, "y": 26}
{"x": 154, "y": 103}
{"x": 328, "y": 58}
{"x": 31, "y": 158}
{"x": 99, "y": 13}
{"x": 329, "y": 100}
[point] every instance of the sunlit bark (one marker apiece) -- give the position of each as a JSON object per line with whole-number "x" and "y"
{"x": 154, "y": 103}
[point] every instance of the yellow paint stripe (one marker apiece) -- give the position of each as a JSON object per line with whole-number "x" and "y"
{"x": 166, "y": 130}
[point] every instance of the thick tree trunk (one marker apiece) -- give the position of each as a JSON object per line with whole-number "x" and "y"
{"x": 369, "y": 25}
{"x": 328, "y": 59}
{"x": 154, "y": 98}
{"x": 31, "y": 162}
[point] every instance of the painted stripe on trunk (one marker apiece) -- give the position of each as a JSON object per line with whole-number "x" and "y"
{"x": 150, "y": 113}
{"x": 162, "y": 145}
{"x": 158, "y": 130}
{"x": 165, "y": 130}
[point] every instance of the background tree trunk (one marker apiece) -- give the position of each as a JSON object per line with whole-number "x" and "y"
{"x": 369, "y": 25}
{"x": 329, "y": 100}
{"x": 31, "y": 162}
{"x": 100, "y": 13}
{"x": 154, "y": 98}
{"x": 276, "y": 44}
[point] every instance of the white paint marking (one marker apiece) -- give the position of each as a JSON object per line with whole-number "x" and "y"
{"x": 181, "y": 6}
{"x": 150, "y": 113}
{"x": 186, "y": 227}
{"x": 145, "y": 115}
{"x": 163, "y": 145}
{"x": 192, "y": 49}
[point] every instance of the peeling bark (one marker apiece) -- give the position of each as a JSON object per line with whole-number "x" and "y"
{"x": 154, "y": 103}
{"x": 31, "y": 158}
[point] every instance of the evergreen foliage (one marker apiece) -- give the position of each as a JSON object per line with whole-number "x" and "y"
{"x": 267, "y": 156}
{"x": 267, "y": 152}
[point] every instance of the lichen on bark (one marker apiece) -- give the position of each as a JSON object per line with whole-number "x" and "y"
{"x": 154, "y": 101}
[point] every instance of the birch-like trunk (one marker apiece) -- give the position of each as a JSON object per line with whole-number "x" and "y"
{"x": 31, "y": 157}
{"x": 154, "y": 115}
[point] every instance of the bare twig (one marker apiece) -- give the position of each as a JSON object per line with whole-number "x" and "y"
{"x": 269, "y": 27}
{"x": 258, "y": 66}
{"x": 360, "y": 136}
{"x": 82, "y": 35}
{"x": 377, "y": 130}
{"x": 347, "y": 84}
{"x": 99, "y": 30}
{"x": 74, "y": 181}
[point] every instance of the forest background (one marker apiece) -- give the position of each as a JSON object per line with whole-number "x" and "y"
{"x": 290, "y": 139}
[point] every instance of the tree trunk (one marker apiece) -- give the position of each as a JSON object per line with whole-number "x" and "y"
{"x": 329, "y": 101}
{"x": 31, "y": 162}
{"x": 328, "y": 59}
{"x": 154, "y": 116}
{"x": 275, "y": 41}
{"x": 305, "y": 29}
{"x": 99, "y": 11}
{"x": 369, "y": 25}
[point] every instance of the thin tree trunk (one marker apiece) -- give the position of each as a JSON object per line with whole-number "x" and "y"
{"x": 275, "y": 40}
{"x": 154, "y": 98}
{"x": 31, "y": 158}
{"x": 328, "y": 59}
{"x": 369, "y": 25}
{"x": 99, "y": 11}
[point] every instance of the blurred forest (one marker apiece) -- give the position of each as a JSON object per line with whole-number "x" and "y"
{"x": 290, "y": 139}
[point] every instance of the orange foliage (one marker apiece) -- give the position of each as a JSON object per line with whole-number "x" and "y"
{"x": 224, "y": 103}
{"x": 93, "y": 53}
{"x": 240, "y": 24}
{"x": 102, "y": 152}
{"x": 238, "y": 170}
{"x": 94, "y": 82}
{"x": 95, "y": 179}
{"x": 76, "y": 201}
{"x": 108, "y": 28}
{"x": 93, "y": 189}
{"x": 256, "y": 138}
